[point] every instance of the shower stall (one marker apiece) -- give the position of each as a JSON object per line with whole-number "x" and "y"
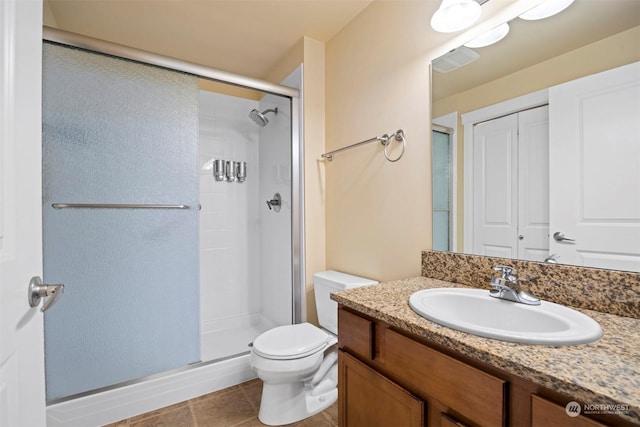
{"x": 171, "y": 213}
{"x": 245, "y": 244}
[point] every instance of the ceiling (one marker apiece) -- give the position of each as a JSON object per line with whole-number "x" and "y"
{"x": 246, "y": 37}
{"x": 250, "y": 37}
{"x": 532, "y": 42}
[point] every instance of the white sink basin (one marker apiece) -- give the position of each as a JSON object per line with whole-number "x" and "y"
{"x": 475, "y": 312}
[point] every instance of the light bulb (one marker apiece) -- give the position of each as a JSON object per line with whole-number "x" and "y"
{"x": 490, "y": 37}
{"x": 546, "y": 9}
{"x": 455, "y": 15}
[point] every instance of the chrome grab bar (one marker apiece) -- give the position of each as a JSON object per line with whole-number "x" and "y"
{"x": 114, "y": 206}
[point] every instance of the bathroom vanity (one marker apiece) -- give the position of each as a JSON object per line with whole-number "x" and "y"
{"x": 397, "y": 368}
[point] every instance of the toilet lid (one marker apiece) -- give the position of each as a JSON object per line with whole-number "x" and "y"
{"x": 291, "y": 341}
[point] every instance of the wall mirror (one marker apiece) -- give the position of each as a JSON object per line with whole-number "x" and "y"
{"x": 518, "y": 74}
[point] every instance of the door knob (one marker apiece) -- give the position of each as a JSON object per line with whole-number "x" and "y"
{"x": 39, "y": 290}
{"x": 559, "y": 237}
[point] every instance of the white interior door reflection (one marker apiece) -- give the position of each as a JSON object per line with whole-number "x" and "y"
{"x": 595, "y": 170}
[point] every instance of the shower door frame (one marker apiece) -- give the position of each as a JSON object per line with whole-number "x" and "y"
{"x": 61, "y": 37}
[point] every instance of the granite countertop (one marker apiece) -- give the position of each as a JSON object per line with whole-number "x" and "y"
{"x": 605, "y": 372}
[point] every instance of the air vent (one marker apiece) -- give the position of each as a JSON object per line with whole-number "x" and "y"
{"x": 454, "y": 59}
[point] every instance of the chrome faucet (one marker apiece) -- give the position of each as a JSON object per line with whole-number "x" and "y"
{"x": 551, "y": 259}
{"x": 508, "y": 288}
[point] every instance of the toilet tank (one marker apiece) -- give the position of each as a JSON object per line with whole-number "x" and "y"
{"x": 326, "y": 282}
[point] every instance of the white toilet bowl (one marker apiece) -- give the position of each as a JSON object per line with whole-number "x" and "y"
{"x": 298, "y": 363}
{"x": 298, "y": 367}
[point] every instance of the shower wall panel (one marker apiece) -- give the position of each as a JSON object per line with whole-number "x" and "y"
{"x": 229, "y": 222}
{"x": 276, "y": 240}
{"x": 118, "y": 132}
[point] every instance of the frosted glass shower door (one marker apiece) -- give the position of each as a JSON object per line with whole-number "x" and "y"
{"x": 441, "y": 187}
{"x": 118, "y": 132}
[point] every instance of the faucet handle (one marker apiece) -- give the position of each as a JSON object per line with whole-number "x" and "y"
{"x": 507, "y": 272}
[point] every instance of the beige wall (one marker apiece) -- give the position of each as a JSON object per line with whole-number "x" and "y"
{"x": 227, "y": 89}
{"x": 311, "y": 53}
{"x": 614, "y": 51}
{"x": 47, "y": 15}
{"x": 378, "y": 214}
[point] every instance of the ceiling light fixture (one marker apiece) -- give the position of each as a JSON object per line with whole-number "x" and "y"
{"x": 455, "y": 15}
{"x": 490, "y": 37}
{"x": 546, "y": 9}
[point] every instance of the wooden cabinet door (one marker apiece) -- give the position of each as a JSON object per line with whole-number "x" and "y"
{"x": 460, "y": 388}
{"x": 448, "y": 421}
{"x": 545, "y": 413}
{"x": 366, "y": 398}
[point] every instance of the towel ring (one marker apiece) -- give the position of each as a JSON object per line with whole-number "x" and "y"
{"x": 386, "y": 141}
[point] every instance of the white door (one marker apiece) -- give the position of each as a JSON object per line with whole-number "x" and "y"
{"x": 595, "y": 169}
{"x": 22, "y": 397}
{"x": 511, "y": 186}
{"x": 495, "y": 192}
{"x": 533, "y": 184}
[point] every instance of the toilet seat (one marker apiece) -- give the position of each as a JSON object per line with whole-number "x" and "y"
{"x": 291, "y": 342}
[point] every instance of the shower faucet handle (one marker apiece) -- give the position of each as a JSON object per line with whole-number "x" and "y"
{"x": 275, "y": 203}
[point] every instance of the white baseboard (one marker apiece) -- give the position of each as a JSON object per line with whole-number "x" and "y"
{"x": 128, "y": 401}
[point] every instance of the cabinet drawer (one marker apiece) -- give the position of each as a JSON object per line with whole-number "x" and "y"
{"x": 545, "y": 413}
{"x": 368, "y": 399}
{"x": 356, "y": 334}
{"x": 468, "y": 391}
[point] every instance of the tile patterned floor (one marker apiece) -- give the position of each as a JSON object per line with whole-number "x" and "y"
{"x": 235, "y": 406}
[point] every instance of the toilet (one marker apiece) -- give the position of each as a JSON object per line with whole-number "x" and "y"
{"x": 298, "y": 364}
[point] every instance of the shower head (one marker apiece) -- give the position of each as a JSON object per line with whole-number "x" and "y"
{"x": 260, "y": 118}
